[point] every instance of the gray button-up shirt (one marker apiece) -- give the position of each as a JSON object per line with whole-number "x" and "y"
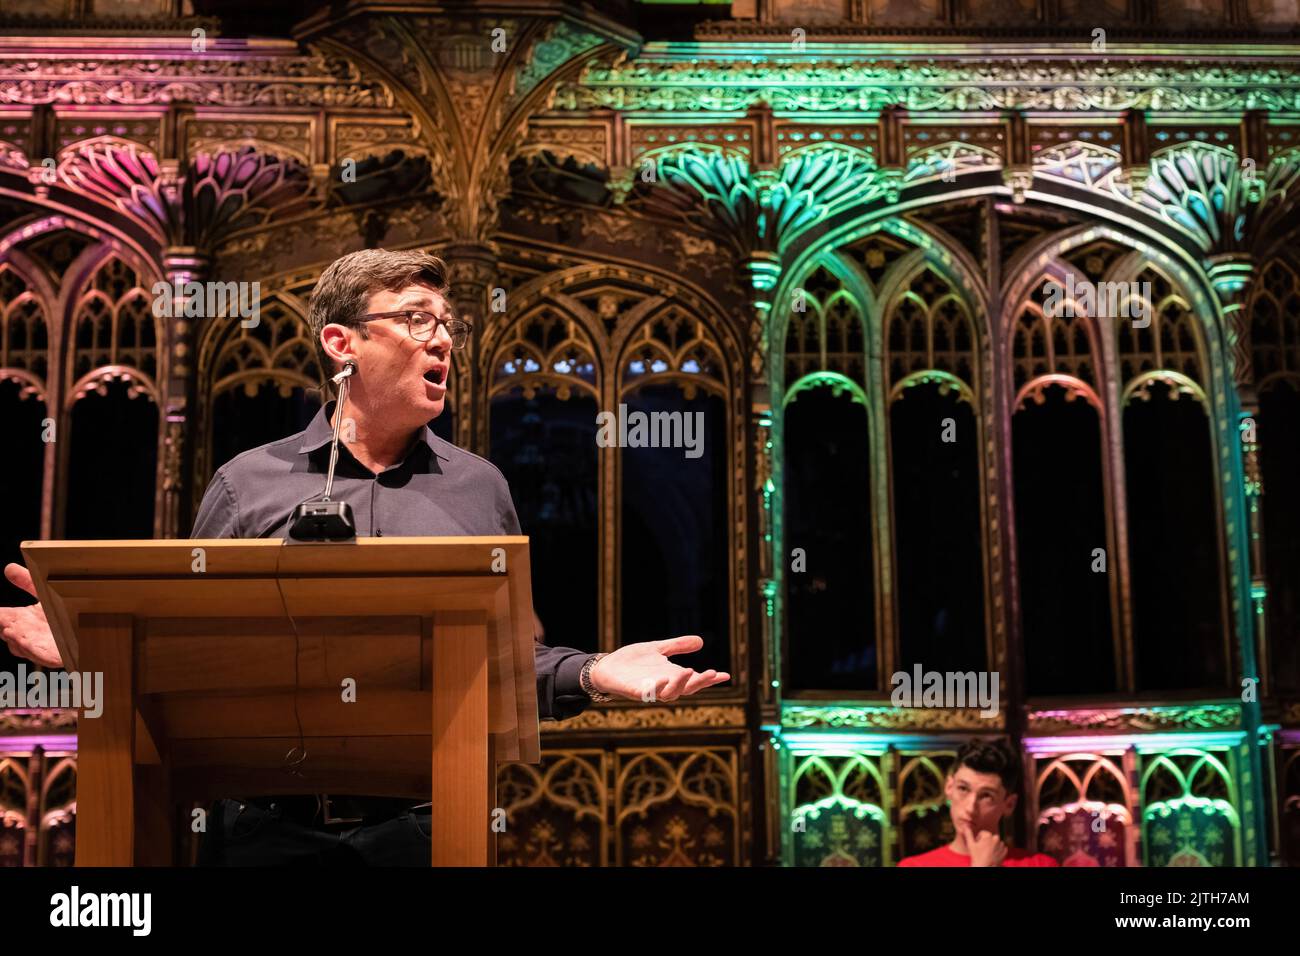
{"x": 437, "y": 489}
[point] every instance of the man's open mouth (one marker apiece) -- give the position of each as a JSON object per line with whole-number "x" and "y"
{"x": 435, "y": 375}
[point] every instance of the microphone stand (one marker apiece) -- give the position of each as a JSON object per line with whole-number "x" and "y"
{"x": 323, "y": 519}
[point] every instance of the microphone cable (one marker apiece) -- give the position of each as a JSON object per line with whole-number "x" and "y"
{"x": 295, "y": 757}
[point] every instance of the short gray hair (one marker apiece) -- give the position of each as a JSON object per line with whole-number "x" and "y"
{"x": 346, "y": 285}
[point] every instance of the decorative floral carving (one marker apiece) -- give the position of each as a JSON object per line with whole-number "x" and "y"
{"x": 257, "y": 80}
{"x": 736, "y": 85}
{"x": 647, "y": 718}
{"x": 832, "y": 717}
{"x": 1133, "y": 719}
{"x": 15, "y": 722}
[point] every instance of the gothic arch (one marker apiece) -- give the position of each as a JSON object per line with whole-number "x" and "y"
{"x": 860, "y": 293}
{"x": 962, "y": 290}
{"x": 549, "y": 344}
{"x": 279, "y": 352}
{"x": 841, "y": 371}
{"x": 1188, "y": 337}
{"x": 109, "y": 323}
{"x": 125, "y": 317}
{"x": 1275, "y": 335}
{"x": 608, "y": 337}
{"x": 668, "y": 341}
{"x": 1182, "y": 270}
{"x": 25, "y": 320}
{"x": 1084, "y": 375}
{"x": 1053, "y": 356}
{"x": 934, "y": 347}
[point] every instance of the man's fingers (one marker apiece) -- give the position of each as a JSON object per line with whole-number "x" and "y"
{"x": 698, "y": 682}
{"x": 677, "y": 683}
{"x": 20, "y": 577}
{"x": 673, "y": 689}
{"x": 681, "y": 645}
{"x": 709, "y": 678}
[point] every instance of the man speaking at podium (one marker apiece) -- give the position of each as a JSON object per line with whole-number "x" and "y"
{"x": 384, "y": 319}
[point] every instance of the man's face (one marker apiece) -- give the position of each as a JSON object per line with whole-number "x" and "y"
{"x": 978, "y": 800}
{"x": 405, "y": 381}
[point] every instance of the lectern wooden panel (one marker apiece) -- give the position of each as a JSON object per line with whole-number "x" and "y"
{"x": 380, "y": 666}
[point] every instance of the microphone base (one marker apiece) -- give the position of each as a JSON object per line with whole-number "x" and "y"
{"x": 322, "y": 521}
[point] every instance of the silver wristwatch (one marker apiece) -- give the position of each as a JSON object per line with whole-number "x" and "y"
{"x": 584, "y": 678}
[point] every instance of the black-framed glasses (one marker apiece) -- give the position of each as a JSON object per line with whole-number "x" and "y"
{"x": 423, "y": 325}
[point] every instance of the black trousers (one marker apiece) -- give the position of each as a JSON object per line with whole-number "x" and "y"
{"x": 245, "y": 834}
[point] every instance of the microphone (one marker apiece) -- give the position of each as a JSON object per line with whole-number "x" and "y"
{"x": 323, "y": 519}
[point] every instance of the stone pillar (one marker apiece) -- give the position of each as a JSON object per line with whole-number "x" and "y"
{"x": 1232, "y": 275}
{"x": 760, "y": 272}
{"x": 181, "y": 265}
{"x": 472, "y": 268}
{"x": 1254, "y": 482}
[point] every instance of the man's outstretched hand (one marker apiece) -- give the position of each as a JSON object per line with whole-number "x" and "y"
{"x": 25, "y": 629}
{"x": 644, "y": 672}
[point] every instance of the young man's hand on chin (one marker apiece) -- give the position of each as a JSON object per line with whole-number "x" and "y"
{"x": 986, "y": 847}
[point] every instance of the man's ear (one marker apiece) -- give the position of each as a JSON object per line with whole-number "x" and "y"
{"x": 1010, "y": 806}
{"x": 337, "y": 341}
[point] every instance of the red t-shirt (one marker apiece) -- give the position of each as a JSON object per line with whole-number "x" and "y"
{"x": 946, "y": 856}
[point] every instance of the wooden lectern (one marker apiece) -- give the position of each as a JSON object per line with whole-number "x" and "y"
{"x": 402, "y": 666}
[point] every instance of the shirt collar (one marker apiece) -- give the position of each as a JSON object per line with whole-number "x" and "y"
{"x": 320, "y": 432}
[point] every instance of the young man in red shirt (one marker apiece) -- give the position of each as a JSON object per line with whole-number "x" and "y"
{"x": 982, "y": 789}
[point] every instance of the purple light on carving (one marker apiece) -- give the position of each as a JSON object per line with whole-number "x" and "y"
{"x": 14, "y": 745}
{"x": 1144, "y": 742}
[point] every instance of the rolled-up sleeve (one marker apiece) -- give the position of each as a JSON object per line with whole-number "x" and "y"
{"x": 559, "y": 691}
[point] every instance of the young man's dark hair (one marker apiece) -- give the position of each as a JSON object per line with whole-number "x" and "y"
{"x": 992, "y": 756}
{"x": 982, "y": 789}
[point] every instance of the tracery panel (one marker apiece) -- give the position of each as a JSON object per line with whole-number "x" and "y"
{"x": 830, "y": 631}
{"x": 1065, "y": 566}
{"x": 112, "y": 407}
{"x": 1275, "y": 339}
{"x": 674, "y": 527}
{"x": 24, "y": 365}
{"x": 1179, "y": 630}
{"x": 262, "y": 383}
{"x": 544, "y": 394}
{"x": 935, "y": 443}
